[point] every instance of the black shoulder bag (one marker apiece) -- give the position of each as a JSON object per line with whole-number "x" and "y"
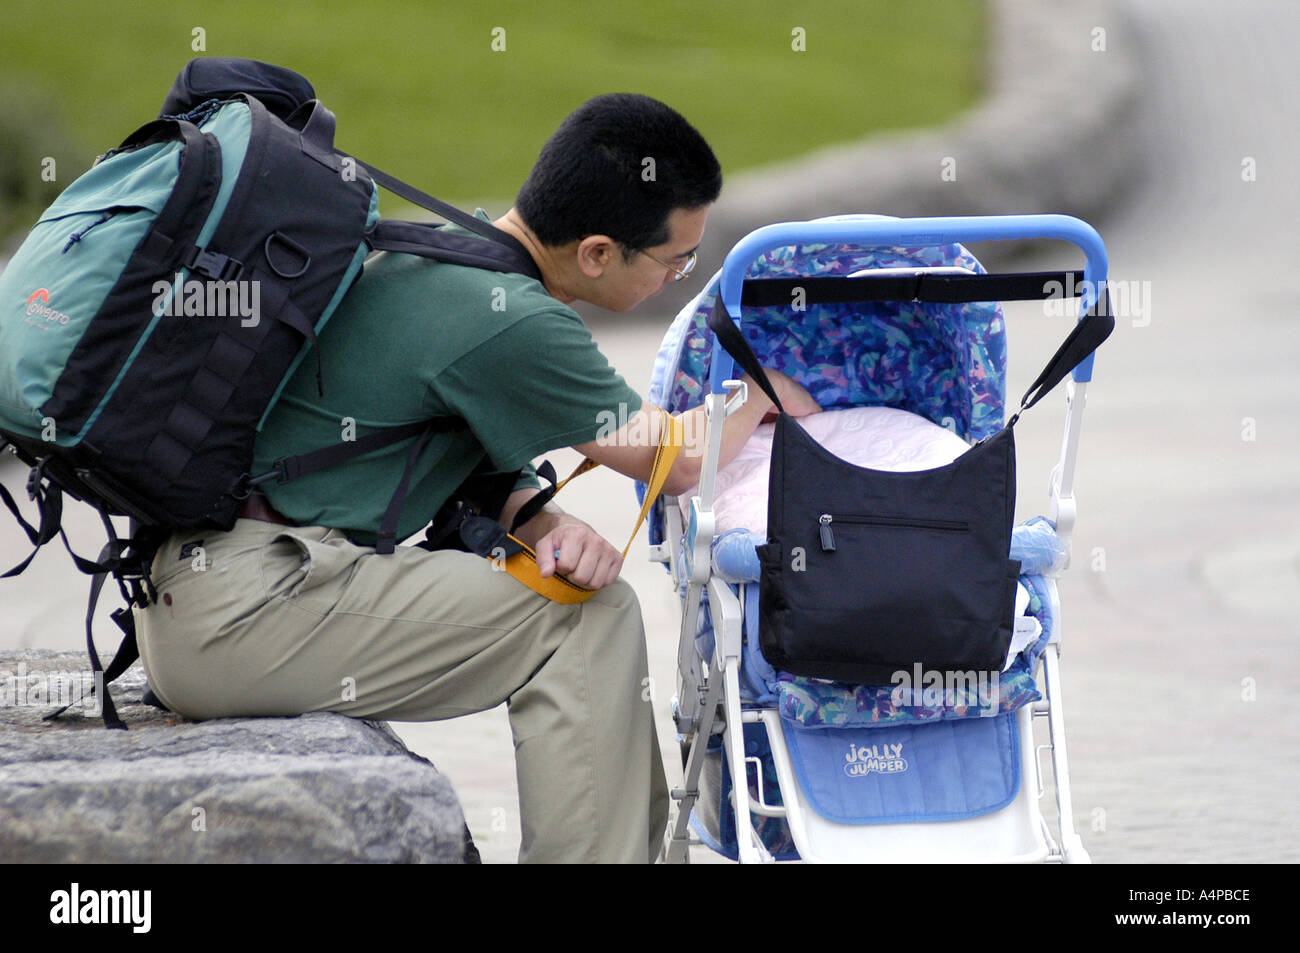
{"x": 866, "y": 572}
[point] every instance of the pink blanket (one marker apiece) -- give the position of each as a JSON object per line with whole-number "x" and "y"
{"x": 882, "y": 438}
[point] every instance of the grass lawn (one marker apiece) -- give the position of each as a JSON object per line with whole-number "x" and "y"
{"x": 419, "y": 89}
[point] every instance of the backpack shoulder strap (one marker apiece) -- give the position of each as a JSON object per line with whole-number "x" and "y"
{"x": 419, "y": 237}
{"x": 429, "y": 240}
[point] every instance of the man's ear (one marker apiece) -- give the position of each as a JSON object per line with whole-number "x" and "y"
{"x": 595, "y": 253}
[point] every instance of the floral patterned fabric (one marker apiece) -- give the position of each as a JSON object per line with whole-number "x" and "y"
{"x": 815, "y": 703}
{"x": 944, "y": 362}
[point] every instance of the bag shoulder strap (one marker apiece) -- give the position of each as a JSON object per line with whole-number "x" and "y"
{"x": 734, "y": 343}
{"x": 1084, "y": 338}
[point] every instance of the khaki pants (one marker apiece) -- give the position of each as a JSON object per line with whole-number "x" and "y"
{"x": 277, "y": 620}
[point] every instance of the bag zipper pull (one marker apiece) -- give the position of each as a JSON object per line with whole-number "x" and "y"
{"x": 828, "y": 541}
{"x": 78, "y": 236}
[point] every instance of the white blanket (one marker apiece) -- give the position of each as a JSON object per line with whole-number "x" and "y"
{"x": 882, "y": 438}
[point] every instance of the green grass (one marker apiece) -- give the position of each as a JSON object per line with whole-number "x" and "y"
{"x": 418, "y": 89}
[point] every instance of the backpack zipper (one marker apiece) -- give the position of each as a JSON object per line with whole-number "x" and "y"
{"x": 828, "y": 537}
{"x": 104, "y": 217}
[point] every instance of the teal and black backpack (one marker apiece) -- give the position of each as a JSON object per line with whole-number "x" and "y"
{"x": 154, "y": 312}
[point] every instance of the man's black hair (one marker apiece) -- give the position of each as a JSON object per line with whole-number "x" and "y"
{"x": 618, "y": 166}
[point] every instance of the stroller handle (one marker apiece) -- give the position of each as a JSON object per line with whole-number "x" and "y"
{"x": 883, "y": 231}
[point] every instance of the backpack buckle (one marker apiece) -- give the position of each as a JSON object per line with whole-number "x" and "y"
{"x": 212, "y": 264}
{"x": 35, "y": 477}
{"x": 246, "y": 483}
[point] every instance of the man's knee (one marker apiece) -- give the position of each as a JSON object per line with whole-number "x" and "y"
{"x": 612, "y": 619}
{"x": 618, "y": 595}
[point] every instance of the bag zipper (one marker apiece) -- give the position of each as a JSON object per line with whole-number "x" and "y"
{"x": 105, "y": 215}
{"x": 828, "y": 538}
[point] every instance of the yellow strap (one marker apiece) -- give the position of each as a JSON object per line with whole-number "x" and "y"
{"x": 523, "y": 565}
{"x": 671, "y": 437}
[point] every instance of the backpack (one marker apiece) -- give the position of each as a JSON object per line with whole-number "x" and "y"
{"x": 155, "y": 311}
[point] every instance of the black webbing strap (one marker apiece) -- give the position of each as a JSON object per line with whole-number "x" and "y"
{"x": 109, "y": 561}
{"x": 1084, "y": 338}
{"x": 734, "y": 343}
{"x": 535, "y": 503}
{"x": 49, "y": 502}
{"x": 926, "y": 287}
{"x": 386, "y": 543}
{"x": 291, "y": 468}
{"x": 127, "y": 561}
{"x": 197, "y": 184}
{"x": 449, "y": 212}
{"x": 428, "y": 240}
{"x": 127, "y": 652}
{"x": 277, "y": 303}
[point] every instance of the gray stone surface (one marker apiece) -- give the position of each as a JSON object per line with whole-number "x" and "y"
{"x": 319, "y": 788}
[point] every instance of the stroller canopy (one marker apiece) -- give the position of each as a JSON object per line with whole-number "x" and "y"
{"x": 945, "y": 362}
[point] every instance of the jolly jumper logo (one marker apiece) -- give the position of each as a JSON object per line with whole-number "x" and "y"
{"x": 880, "y": 759}
{"x": 38, "y": 306}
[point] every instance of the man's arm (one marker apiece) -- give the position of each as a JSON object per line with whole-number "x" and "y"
{"x": 631, "y": 451}
{"x": 566, "y": 544}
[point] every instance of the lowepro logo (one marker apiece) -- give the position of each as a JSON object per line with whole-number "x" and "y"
{"x": 879, "y": 759}
{"x": 38, "y": 306}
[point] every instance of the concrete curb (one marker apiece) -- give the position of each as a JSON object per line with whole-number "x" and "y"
{"x": 1054, "y": 134}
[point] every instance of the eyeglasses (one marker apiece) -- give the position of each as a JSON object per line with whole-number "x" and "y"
{"x": 679, "y": 272}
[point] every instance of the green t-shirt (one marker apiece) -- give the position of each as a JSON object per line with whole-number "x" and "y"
{"x": 414, "y": 339}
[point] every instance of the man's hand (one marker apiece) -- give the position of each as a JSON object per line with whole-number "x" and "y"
{"x": 585, "y": 557}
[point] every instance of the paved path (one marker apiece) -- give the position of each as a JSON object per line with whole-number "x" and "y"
{"x": 1180, "y": 604}
{"x": 1181, "y": 668}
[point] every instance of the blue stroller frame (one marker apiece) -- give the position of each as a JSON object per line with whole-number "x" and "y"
{"x": 778, "y": 767}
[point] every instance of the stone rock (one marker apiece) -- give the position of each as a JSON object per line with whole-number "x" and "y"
{"x": 318, "y": 788}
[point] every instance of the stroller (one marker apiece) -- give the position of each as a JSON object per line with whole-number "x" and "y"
{"x": 784, "y": 767}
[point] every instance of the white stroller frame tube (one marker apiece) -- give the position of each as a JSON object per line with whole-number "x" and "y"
{"x": 1072, "y": 850}
{"x": 699, "y": 542}
{"x": 1062, "y": 507}
{"x": 695, "y": 716}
